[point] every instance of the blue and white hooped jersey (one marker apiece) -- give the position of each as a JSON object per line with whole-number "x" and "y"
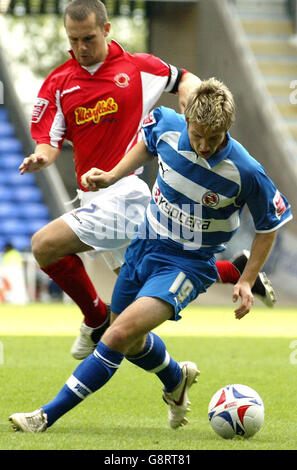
{"x": 197, "y": 203}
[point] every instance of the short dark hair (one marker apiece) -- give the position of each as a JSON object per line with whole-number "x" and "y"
{"x": 79, "y": 10}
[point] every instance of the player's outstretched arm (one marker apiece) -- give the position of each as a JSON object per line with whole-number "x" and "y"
{"x": 43, "y": 156}
{"x": 95, "y": 178}
{"x": 260, "y": 250}
{"x": 188, "y": 83}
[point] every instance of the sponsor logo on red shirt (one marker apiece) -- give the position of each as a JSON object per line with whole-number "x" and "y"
{"x": 103, "y": 107}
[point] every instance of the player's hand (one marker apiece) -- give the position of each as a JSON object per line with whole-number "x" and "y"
{"x": 95, "y": 179}
{"x": 34, "y": 162}
{"x": 243, "y": 290}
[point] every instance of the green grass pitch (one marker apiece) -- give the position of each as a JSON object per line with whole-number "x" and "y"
{"x": 128, "y": 413}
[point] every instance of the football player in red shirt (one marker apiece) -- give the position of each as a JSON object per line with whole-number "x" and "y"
{"x": 97, "y": 100}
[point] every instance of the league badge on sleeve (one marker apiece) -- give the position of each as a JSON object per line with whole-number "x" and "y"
{"x": 39, "y": 108}
{"x": 149, "y": 120}
{"x": 279, "y": 204}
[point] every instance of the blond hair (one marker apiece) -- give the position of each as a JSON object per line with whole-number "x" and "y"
{"x": 211, "y": 105}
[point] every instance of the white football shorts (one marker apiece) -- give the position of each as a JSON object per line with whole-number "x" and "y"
{"x": 108, "y": 218}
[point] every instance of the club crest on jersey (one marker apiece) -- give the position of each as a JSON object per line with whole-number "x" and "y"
{"x": 122, "y": 80}
{"x": 103, "y": 107}
{"x": 210, "y": 199}
{"x": 279, "y": 204}
{"x": 38, "y": 110}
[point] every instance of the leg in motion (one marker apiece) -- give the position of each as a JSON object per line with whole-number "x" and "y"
{"x": 151, "y": 355}
{"x": 55, "y": 247}
{"x": 176, "y": 377}
{"x": 88, "y": 377}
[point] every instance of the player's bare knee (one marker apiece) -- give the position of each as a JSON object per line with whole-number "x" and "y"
{"x": 37, "y": 245}
{"x": 117, "y": 338}
{"x": 43, "y": 248}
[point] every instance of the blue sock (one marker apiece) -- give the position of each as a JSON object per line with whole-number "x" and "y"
{"x": 89, "y": 376}
{"x": 155, "y": 358}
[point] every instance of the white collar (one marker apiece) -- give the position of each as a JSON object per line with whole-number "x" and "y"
{"x": 92, "y": 68}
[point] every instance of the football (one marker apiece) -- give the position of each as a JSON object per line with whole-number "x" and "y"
{"x": 236, "y": 410}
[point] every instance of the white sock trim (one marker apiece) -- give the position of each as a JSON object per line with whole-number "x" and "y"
{"x": 146, "y": 352}
{"x": 113, "y": 365}
{"x": 162, "y": 366}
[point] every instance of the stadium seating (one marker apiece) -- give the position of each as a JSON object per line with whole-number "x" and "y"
{"x": 22, "y": 210}
{"x": 20, "y": 242}
{"x": 10, "y": 160}
{"x": 2, "y": 242}
{"x": 33, "y": 210}
{"x": 13, "y": 178}
{"x": 9, "y": 145}
{"x": 3, "y": 114}
{"x": 27, "y": 194}
{"x": 35, "y": 224}
{"x": 6, "y": 130}
{"x": 8, "y": 209}
{"x": 269, "y": 30}
{"x": 14, "y": 226}
{"x": 6, "y": 193}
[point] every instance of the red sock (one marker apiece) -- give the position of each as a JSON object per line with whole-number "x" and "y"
{"x": 70, "y": 275}
{"x": 227, "y": 272}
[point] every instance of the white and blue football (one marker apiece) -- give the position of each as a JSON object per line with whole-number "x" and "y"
{"x": 236, "y": 410}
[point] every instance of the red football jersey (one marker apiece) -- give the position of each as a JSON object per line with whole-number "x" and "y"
{"x": 101, "y": 114}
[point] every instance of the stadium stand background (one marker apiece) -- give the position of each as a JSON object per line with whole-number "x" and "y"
{"x": 249, "y": 44}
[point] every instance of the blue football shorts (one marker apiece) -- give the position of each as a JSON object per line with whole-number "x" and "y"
{"x": 151, "y": 269}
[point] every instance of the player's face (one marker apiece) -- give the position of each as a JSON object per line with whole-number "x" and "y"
{"x": 87, "y": 39}
{"x": 206, "y": 142}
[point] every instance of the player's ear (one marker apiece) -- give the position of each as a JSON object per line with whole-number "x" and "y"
{"x": 106, "y": 29}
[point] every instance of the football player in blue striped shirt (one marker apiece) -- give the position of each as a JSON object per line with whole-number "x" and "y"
{"x": 205, "y": 179}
